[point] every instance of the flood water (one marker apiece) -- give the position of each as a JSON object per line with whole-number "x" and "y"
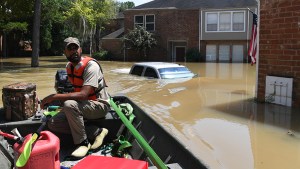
{"x": 214, "y": 115}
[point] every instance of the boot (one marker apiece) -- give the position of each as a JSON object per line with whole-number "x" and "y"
{"x": 99, "y": 139}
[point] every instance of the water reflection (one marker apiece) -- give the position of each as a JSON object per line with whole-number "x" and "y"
{"x": 214, "y": 115}
{"x": 222, "y": 136}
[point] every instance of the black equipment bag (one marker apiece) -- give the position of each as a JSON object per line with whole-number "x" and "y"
{"x": 62, "y": 83}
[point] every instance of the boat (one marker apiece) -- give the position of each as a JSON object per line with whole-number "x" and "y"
{"x": 165, "y": 147}
{"x": 133, "y": 135}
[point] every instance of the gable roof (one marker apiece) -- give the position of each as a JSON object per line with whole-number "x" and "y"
{"x": 197, "y": 4}
{"x": 114, "y": 34}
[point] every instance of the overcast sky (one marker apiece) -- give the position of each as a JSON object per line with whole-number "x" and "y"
{"x": 136, "y": 2}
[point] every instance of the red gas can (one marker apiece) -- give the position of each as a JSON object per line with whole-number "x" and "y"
{"x": 44, "y": 153}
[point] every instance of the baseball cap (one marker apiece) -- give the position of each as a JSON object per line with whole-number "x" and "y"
{"x": 71, "y": 40}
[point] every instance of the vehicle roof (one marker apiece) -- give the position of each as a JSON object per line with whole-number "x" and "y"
{"x": 159, "y": 65}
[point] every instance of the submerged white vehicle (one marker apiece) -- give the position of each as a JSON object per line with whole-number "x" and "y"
{"x": 161, "y": 70}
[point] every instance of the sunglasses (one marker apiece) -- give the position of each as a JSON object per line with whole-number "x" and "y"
{"x": 72, "y": 47}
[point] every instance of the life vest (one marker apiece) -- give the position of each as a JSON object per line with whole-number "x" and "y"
{"x": 75, "y": 76}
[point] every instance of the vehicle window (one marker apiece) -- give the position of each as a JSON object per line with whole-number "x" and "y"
{"x": 173, "y": 69}
{"x": 150, "y": 73}
{"x": 137, "y": 70}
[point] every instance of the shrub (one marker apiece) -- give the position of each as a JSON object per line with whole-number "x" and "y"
{"x": 193, "y": 55}
{"x": 102, "y": 55}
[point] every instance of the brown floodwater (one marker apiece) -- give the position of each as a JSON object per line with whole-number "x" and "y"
{"x": 214, "y": 115}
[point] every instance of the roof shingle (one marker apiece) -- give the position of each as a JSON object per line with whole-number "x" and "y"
{"x": 197, "y": 4}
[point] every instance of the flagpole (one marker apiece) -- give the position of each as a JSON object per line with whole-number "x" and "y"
{"x": 257, "y": 57}
{"x": 250, "y": 11}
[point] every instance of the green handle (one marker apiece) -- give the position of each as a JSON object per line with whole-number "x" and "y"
{"x": 150, "y": 152}
{"x": 24, "y": 156}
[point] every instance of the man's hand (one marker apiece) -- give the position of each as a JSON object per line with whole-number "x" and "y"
{"x": 82, "y": 95}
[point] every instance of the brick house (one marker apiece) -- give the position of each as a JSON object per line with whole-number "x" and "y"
{"x": 180, "y": 25}
{"x": 279, "y": 49}
{"x": 113, "y": 33}
{"x": 219, "y": 30}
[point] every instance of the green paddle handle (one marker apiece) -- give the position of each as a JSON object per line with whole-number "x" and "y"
{"x": 148, "y": 149}
{"x": 24, "y": 156}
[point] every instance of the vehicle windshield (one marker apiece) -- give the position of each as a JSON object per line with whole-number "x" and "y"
{"x": 175, "y": 72}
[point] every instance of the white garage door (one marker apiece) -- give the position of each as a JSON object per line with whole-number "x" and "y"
{"x": 237, "y": 53}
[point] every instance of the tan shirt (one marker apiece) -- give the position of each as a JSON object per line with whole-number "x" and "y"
{"x": 91, "y": 76}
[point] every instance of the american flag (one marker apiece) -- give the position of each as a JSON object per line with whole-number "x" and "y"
{"x": 253, "y": 43}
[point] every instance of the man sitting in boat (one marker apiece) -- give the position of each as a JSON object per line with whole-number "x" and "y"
{"x": 88, "y": 101}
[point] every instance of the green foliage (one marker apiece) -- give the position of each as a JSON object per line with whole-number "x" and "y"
{"x": 59, "y": 19}
{"x": 52, "y": 10}
{"x": 46, "y": 39}
{"x": 12, "y": 10}
{"x": 102, "y": 55}
{"x": 84, "y": 15}
{"x": 14, "y": 15}
{"x": 125, "y": 5}
{"x": 140, "y": 40}
{"x": 58, "y": 33}
{"x": 53, "y": 28}
{"x": 14, "y": 26}
{"x": 193, "y": 55}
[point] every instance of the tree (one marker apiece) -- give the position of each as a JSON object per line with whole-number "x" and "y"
{"x": 85, "y": 16}
{"x": 36, "y": 34}
{"x": 58, "y": 20}
{"x": 53, "y": 28}
{"x": 16, "y": 21}
{"x": 140, "y": 40}
{"x": 14, "y": 16}
{"x": 125, "y": 5}
{"x": 52, "y": 14}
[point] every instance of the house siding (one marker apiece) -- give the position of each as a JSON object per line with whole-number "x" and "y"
{"x": 171, "y": 25}
{"x": 279, "y": 45}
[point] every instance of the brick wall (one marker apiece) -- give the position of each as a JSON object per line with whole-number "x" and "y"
{"x": 115, "y": 46}
{"x": 170, "y": 24}
{"x": 279, "y": 48}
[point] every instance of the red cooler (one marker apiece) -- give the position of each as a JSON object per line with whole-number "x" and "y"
{"x": 102, "y": 162}
{"x": 44, "y": 154}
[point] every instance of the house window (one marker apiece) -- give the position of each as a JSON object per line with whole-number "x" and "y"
{"x": 139, "y": 20}
{"x": 238, "y": 21}
{"x": 226, "y": 21}
{"x": 147, "y": 21}
{"x": 150, "y": 23}
{"x": 212, "y": 22}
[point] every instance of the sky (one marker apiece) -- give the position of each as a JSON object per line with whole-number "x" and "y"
{"x": 136, "y": 2}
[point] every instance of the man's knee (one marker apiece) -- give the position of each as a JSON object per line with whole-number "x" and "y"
{"x": 70, "y": 104}
{"x": 71, "y": 108}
